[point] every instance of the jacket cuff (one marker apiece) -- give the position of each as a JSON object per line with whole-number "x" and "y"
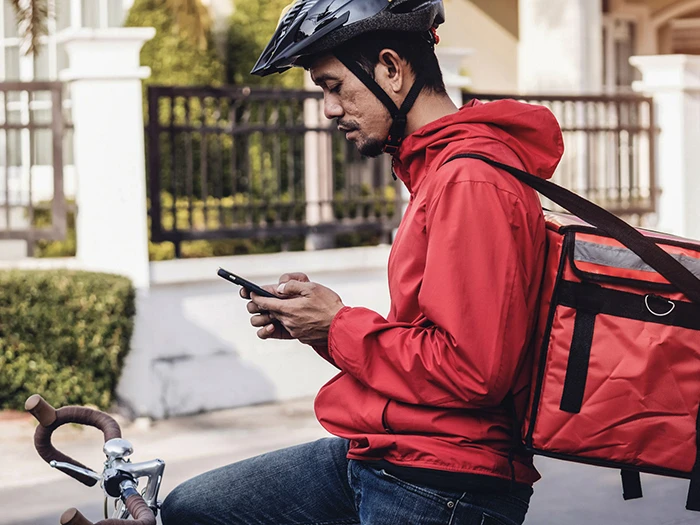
{"x": 331, "y": 339}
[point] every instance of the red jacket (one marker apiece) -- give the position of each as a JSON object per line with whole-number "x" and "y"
{"x": 424, "y": 386}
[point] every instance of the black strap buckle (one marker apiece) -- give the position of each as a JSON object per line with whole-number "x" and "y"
{"x": 391, "y": 149}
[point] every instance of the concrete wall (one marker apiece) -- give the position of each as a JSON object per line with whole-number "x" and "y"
{"x": 490, "y": 33}
{"x": 560, "y": 47}
{"x": 194, "y": 348}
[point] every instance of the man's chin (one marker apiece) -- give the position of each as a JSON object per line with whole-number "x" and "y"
{"x": 370, "y": 148}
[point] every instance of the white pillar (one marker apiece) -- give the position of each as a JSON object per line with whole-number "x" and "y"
{"x": 560, "y": 47}
{"x": 451, "y": 60}
{"x": 105, "y": 78}
{"x": 318, "y": 170}
{"x": 674, "y": 82}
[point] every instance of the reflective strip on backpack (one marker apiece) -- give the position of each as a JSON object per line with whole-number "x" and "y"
{"x": 616, "y": 257}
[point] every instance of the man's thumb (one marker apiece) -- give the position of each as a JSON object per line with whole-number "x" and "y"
{"x": 289, "y": 288}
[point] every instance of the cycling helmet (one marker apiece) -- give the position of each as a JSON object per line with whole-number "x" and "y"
{"x": 310, "y": 27}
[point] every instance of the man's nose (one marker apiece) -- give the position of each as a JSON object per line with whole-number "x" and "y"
{"x": 331, "y": 108}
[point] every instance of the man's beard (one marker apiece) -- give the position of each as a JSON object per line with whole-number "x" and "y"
{"x": 371, "y": 147}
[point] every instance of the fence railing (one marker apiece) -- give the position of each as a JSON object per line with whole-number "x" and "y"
{"x": 609, "y": 144}
{"x": 33, "y": 128}
{"x": 235, "y": 162}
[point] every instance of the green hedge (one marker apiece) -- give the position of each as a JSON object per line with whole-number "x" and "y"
{"x": 64, "y": 335}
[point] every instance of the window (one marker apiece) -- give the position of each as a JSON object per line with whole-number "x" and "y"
{"x": 9, "y": 25}
{"x": 91, "y": 13}
{"x": 41, "y": 64}
{"x": 11, "y": 70}
{"x": 116, "y": 13}
{"x": 36, "y": 147}
{"x": 62, "y": 14}
{"x": 619, "y": 44}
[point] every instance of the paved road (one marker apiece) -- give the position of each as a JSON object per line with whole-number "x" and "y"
{"x": 33, "y": 494}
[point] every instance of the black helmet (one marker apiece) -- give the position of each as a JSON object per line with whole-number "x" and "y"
{"x": 311, "y": 27}
{"x": 314, "y": 26}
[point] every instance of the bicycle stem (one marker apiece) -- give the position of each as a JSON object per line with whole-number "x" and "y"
{"x": 153, "y": 470}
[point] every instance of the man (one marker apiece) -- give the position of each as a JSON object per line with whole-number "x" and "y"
{"x": 422, "y": 405}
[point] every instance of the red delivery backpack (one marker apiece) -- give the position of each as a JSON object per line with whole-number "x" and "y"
{"x": 616, "y": 380}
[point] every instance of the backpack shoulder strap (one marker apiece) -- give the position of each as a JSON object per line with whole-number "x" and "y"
{"x": 645, "y": 248}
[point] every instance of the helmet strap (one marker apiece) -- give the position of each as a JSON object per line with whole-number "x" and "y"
{"x": 399, "y": 116}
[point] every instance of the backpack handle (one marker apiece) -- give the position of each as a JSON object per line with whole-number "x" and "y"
{"x": 646, "y": 249}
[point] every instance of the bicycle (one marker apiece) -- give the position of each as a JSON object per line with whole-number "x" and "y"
{"x": 119, "y": 478}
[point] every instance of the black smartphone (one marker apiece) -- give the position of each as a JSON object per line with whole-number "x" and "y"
{"x": 240, "y": 281}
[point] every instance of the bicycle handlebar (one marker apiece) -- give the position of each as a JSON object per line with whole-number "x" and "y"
{"x": 137, "y": 508}
{"x": 50, "y": 419}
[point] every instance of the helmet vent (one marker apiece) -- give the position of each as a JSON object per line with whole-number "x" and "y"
{"x": 291, "y": 16}
{"x": 408, "y": 6}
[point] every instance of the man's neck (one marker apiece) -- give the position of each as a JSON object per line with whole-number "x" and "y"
{"x": 428, "y": 108}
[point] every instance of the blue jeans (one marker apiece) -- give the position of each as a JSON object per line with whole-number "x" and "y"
{"x": 315, "y": 484}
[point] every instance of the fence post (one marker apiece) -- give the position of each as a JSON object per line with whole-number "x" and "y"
{"x": 674, "y": 83}
{"x": 105, "y": 77}
{"x": 318, "y": 171}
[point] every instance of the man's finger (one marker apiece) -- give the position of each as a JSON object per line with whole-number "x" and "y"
{"x": 266, "y": 331}
{"x": 293, "y": 288}
{"x": 261, "y": 320}
{"x": 294, "y": 276}
{"x": 267, "y": 304}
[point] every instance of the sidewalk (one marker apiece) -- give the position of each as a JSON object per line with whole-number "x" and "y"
{"x": 33, "y": 493}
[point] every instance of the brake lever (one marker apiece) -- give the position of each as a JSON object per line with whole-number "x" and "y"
{"x": 69, "y": 466}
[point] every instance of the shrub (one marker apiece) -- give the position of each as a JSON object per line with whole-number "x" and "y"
{"x": 42, "y": 219}
{"x": 64, "y": 335}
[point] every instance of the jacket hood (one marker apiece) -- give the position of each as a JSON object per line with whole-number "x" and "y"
{"x": 504, "y": 130}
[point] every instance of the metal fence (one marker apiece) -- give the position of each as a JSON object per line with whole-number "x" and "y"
{"x": 238, "y": 162}
{"x": 235, "y": 162}
{"x": 33, "y": 128}
{"x": 609, "y": 153}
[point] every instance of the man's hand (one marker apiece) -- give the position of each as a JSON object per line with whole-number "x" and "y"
{"x": 305, "y": 310}
{"x": 269, "y": 328}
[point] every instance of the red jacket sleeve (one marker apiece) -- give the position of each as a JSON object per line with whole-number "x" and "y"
{"x": 474, "y": 299}
{"x": 323, "y": 352}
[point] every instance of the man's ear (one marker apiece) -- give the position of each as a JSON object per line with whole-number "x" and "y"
{"x": 392, "y": 71}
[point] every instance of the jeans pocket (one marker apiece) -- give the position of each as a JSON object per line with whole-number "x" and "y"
{"x": 436, "y": 495}
{"x": 428, "y": 492}
{"x": 491, "y": 510}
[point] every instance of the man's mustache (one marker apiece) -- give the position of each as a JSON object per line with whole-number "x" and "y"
{"x": 347, "y": 126}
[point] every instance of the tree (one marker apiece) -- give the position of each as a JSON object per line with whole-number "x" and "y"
{"x": 182, "y": 52}
{"x": 252, "y": 24}
{"x": 192, "y": 18}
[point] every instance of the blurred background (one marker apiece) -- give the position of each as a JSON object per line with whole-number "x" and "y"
{"x": 137, "y": 155}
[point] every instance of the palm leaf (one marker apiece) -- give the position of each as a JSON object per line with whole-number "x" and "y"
{"x": 31, "y": 18}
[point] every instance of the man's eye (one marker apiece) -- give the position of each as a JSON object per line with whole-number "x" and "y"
{"x": 335, "y": 89}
